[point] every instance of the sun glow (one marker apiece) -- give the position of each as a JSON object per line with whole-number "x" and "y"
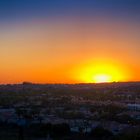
{"x": 101, "y": 73}
{"x": 102, "y": 78}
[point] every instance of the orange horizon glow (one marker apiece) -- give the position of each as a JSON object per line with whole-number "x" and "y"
{"x": 70, "y": 52}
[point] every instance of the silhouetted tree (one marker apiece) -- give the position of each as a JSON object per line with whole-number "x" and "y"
{"x": 100, "y": 133}
{"x": 59, "y": 130}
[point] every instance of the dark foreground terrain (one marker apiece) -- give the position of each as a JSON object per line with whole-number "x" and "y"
{"x": 108, "y": 111}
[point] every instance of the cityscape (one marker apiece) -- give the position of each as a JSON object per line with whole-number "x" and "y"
{"x": 70, "y": 111}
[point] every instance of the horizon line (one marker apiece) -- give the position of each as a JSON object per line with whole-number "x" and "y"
{"x": 34, "y": 83}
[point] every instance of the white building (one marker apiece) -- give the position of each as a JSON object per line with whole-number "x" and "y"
{"x": 134, "y": 107}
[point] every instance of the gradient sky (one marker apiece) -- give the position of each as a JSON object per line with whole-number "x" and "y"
{"x": 65, "y": 41}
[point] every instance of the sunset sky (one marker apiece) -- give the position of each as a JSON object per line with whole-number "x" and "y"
{"x": 69, "y": 41}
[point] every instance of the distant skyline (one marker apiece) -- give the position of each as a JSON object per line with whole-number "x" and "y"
{"x": 69, "y": 41}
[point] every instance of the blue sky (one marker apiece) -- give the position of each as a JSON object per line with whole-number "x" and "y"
{"x": 24, "y": 9}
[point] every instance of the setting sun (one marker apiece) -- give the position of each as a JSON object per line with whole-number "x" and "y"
{"x": 101, "y": 72}
{"x": 102, "y": 78}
